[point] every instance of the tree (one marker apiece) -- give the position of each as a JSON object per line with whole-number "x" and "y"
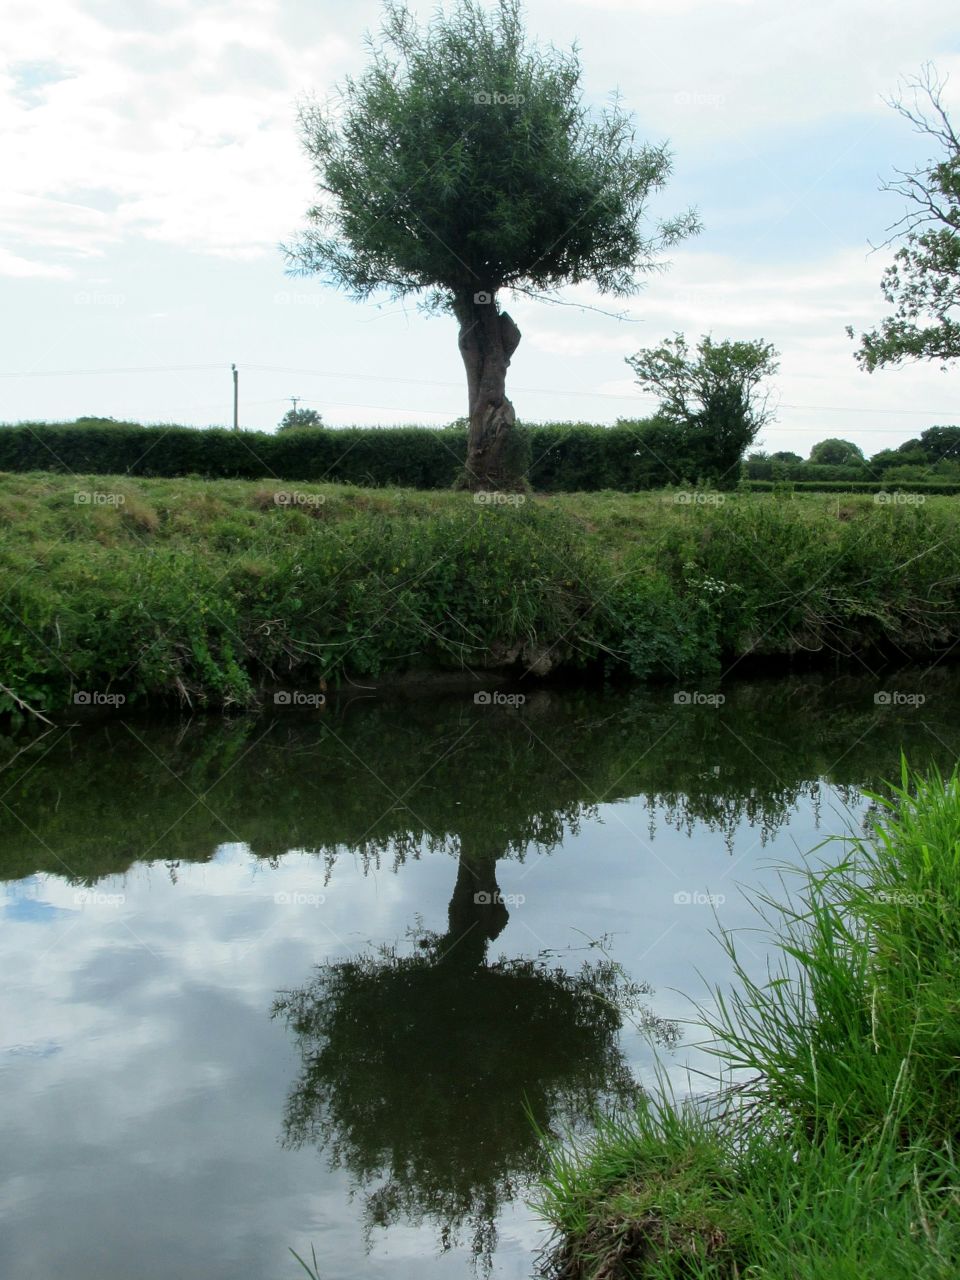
{"x": 837, "y": 453}
{"x": 939, "y": 443}
{"x": 295, "y": 419}
{"x": 923, "y": 281}
{"x": 509, "y": 1050}
{"x": 712, "y": 399}
{"x": 785, "y": 455}
{"x": 463, "y": 162}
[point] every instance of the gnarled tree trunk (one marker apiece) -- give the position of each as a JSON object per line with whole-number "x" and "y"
{"x": 488, "y": 338}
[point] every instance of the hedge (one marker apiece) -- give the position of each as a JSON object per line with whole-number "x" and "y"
{"x": 563, "y": 456}
{"x": 853, "y": 486}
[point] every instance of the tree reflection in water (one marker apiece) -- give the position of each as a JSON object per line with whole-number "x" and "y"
{"x": 426, "y": 1074}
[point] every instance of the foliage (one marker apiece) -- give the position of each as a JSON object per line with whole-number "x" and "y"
{"x": 463, "y": 160}
{"x": 835, "y": 1157}
{"x": 553, "y": 457}
{"x": 922, "y": 283}
{"x": 295, "y": 419}
{"x": 836, "y": 453}
{"x": 178, "y": 589}
{"x": 711, "y": 398}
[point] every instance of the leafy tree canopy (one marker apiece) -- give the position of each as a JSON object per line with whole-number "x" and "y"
{"x": 922, "y": 283}
{"x": 295, "y": 419}
{"x": 836, "y": 453}
{"x": 712, "y": 396}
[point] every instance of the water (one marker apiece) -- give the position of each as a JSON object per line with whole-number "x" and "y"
{"x": 291, "y": 981}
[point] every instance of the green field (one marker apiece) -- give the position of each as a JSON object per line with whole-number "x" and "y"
{"x": 209, "y": 591}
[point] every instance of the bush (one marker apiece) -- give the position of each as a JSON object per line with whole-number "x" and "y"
{"x": 556, "y": 457}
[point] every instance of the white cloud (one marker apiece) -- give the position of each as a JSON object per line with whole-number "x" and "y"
{"x": 11, "y": 264}
{"x": 190, "y": 138}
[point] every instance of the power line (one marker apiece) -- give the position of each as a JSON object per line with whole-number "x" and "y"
{"x": 426, "y": 382}
{"x": 150, "y": 368}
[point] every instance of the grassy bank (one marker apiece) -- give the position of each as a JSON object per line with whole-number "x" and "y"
{"x": 208, "y": 591}
{"x": 837, "y": 1159}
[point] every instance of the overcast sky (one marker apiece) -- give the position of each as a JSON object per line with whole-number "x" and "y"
{"x": 151, "y": 167}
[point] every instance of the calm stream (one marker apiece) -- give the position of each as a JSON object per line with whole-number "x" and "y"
{"x": 292, "y": 980}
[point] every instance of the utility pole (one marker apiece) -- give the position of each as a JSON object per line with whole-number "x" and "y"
{"x": 294, "y": 400}
{"x": 236, "y": 397}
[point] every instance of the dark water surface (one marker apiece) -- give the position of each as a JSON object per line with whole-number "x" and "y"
{"x": 293, "y": 980}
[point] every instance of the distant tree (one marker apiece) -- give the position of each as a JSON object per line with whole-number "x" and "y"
{"x": 937, "y": 449}
{"x": 464, "y": 162}
{"x": 295, "y": 419}
{"x": 785, "y": 455}
{"x": 923, "y": 282}
{"x": 758, "y": 455}
{"x": 940, "y": 443}
{"x": 837, "y": 453}
{"x": 711, "y": 397}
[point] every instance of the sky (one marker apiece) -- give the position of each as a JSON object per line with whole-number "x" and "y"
{"x": 152, "y": 168}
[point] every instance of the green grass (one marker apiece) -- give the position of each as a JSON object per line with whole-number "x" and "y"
{"x": 835, "y": 1157}
{"x": 208, "y": 591}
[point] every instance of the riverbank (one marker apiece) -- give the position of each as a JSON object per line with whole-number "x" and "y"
{"x": 120, "y": 591}
{"x": 837, "y": 1157}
